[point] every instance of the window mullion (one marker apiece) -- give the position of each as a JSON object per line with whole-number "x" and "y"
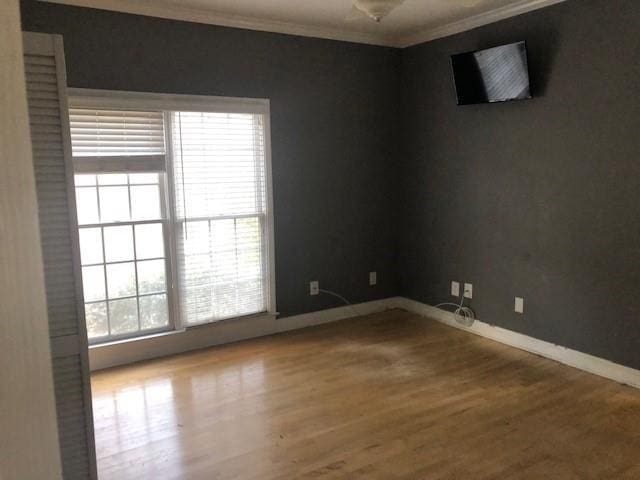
{"x": 121, "y": 224}
{"x": 106, "y": 285}
{"x": 135, "y": 269}
{"x": 173, "y": 278}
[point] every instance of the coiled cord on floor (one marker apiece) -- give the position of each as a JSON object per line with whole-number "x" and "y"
{"x": 463, "y": 315}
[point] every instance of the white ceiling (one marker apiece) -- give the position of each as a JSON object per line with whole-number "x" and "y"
{"x": 414, "y": 21}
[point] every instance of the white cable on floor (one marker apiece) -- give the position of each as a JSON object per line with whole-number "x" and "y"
{"x": 463, "y": 315}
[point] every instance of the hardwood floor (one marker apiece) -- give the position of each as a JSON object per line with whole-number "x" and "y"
{"x": 387, "y": 396}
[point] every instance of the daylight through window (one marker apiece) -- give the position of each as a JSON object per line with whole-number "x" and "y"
{"x": 163, "y": 190}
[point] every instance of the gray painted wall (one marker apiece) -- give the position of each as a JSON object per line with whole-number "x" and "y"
{"x": 539, "y": 198}
{"x": 334, "y": 126}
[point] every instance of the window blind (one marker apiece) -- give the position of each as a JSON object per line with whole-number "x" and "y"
{"x": 220, "y": 213}
{"x": 100, "y": 133}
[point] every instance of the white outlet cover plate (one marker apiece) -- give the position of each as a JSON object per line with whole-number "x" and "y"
{"x": 519, "y": 305}
{"x": 314, "y": 287}
{"x": 373, "y": 278}
{"x": 468, "y": 290}
{"x": 455, "y": 289}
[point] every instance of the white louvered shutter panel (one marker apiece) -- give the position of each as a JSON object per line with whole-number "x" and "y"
{"x": 219, "y": 178}
{"x": 103, "y": 133}
{"x": 44, "y": 68}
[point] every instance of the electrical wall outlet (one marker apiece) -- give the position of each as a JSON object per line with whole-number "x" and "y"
{"x": 373, "y": 278}
{"x": 314, "y": 287}
{"x": 519, "y": 306}
{"x": 455, "y": 289}
{"x": 468, "y": 290}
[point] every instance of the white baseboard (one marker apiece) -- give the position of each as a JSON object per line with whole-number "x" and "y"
{"x": 567, "y": 356}
{"x": 161, "y": 345}
{"x": 121, "y": 353}
{"x": 335, "y": 314}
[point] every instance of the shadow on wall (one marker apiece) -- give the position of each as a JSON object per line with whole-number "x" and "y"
{"x": 542, "y": 54}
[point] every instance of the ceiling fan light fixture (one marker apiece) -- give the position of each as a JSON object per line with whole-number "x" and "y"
{"x": 376, "y": 9}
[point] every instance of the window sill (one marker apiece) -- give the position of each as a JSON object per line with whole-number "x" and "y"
{"x": 136, "y": 349}
{"x": 140, "y": 338}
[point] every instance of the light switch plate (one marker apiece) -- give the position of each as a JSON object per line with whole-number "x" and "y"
{"x": 455, "y": 289}
{"x": 519, "y": 305}
{"x": 373, "y": 278}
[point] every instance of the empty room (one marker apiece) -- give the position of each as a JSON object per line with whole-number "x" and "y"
{"x": 321, "y": 239}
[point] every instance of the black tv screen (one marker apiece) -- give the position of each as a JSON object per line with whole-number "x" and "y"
{"x": 497, "y": 74}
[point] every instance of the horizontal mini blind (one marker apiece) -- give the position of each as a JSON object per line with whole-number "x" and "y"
{"x": 220, "y": 207}
{"x": 100, "y": 133}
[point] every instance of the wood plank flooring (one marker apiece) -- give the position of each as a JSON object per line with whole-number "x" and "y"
{"x": 387, "y": 396}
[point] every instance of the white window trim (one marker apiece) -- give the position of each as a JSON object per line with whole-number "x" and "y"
{"x": 166, "y": 229}
{"x": 110, "y": 164}
{"x": 90, "y": 98}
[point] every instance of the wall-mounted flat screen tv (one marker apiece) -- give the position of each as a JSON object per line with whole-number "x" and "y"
{"x": 497, "y": 74}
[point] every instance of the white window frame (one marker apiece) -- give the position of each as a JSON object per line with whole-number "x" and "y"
{"x": 166, "y": 234}
{"x": 105, "y": 99}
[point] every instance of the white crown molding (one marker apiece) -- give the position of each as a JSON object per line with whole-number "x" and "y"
{"x": 206, "y": 16}
{"x": 202, "y": 15}
{"x": 485, "y": 18}
{"x": 573, "y": 358}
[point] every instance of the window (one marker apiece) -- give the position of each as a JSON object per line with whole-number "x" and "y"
{"x": 122, "y": 253}
{"x": 220, "y": 213}
{"x": 173, "y": 213}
